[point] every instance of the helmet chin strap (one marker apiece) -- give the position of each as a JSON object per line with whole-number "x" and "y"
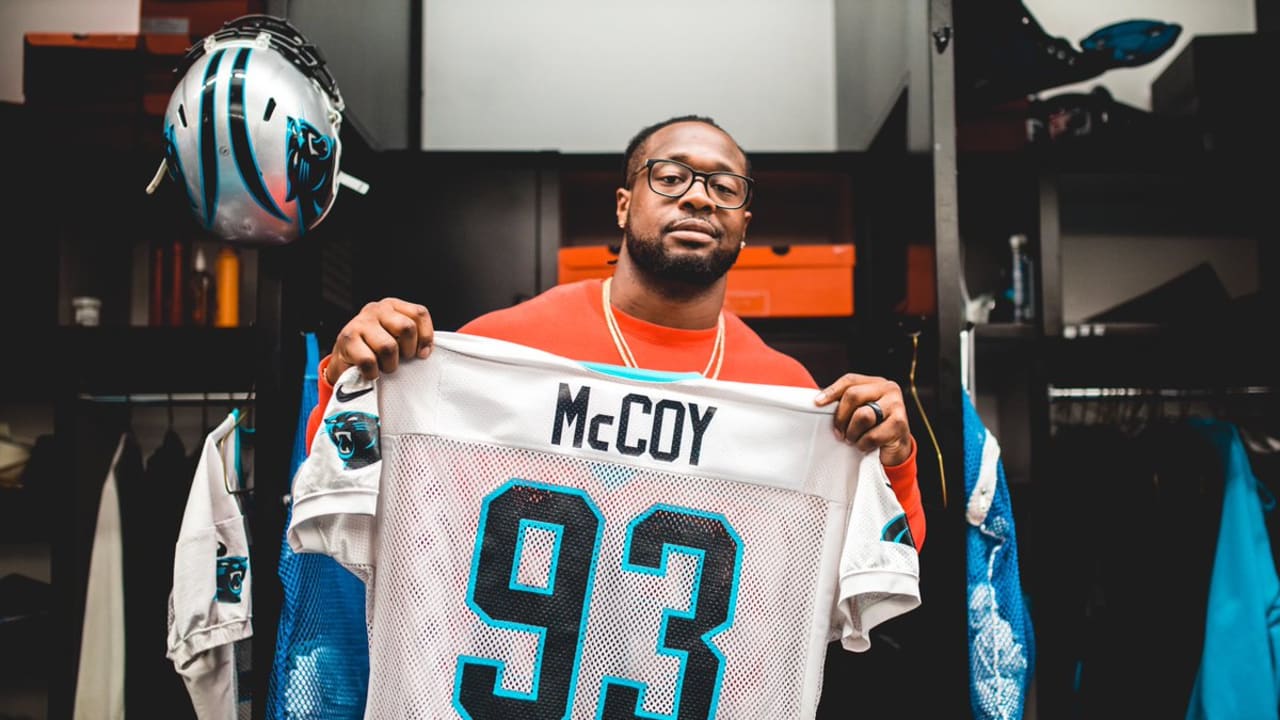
{"x": 155, "y": 181}
{"x": 352, "y": 182}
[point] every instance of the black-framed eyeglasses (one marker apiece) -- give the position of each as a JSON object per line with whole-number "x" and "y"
{"x": 672, "y": 178}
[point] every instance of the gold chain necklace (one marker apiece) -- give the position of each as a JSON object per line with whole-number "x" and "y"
{"x": 624, "y": 351}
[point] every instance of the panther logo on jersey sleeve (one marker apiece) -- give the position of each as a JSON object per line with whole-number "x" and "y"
{"x": 231, "y": 572}
{"x": 355, "y": 435}
{"x": 899, "y": 531}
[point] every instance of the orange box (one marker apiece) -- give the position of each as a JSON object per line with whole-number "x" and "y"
{"x": 922, "y": 288}
{"x": 778, "y": 281}
{"x": 112, "y": 72}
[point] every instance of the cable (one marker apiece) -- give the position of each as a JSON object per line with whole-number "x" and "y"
{"x": 942, "y": 474}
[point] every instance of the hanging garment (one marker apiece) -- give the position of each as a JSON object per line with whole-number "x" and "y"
{"x": 100, "y": 678}
{"x": 321, "y": 669}
{"x": 1001, "y": 640}
{"x": 151, "y": 513}
{"x": 1239, "y": 673}
{"x": 210, "y": 604}
{"x": 1128, "y": 524}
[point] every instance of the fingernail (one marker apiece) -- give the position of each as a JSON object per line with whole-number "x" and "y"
{"x": 820, "y": 398}
{"x": 839, "y": 435}
{"x": 424, "y": 352}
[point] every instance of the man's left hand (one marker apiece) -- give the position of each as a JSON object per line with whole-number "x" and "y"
{"x": 857, "y": 423}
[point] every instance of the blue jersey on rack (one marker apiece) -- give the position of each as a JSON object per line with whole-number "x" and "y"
{"x": 321, "y": 669}
{"x": 1001, "y": 641}
{"x": 1238, "y": 676}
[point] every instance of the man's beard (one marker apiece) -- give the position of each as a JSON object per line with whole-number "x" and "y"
{"x": 678, "y": 272}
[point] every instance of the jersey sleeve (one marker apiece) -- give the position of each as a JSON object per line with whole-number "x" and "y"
{"x": 879, "y": 565}
{"x": 335, "y": 491}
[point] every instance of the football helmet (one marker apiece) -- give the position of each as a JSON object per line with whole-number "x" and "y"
{"x": 251, "y": 133}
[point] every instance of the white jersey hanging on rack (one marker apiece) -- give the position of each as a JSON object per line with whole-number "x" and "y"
{"x": 210, "y": 605}
{"x": 554, "y": 539}
{"x": 100, "y": 678}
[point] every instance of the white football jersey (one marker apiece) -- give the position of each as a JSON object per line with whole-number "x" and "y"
{"x": 543, "y": 538}
{"x": 211, "y": 601}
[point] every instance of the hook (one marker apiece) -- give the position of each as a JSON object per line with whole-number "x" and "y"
{"x": 234, "y": 434}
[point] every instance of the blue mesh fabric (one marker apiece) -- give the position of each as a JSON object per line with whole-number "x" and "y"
{"x": 321, "y": 668}
{"x": 1001, "y": 640}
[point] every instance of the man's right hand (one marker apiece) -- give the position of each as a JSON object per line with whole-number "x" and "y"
{"x": 379, "y": 337}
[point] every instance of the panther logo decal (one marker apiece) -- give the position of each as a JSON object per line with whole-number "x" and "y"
{"x": 897, "y": 530}
{"x": 355, "y": 435}
{"x": 231, "y": 572}
{"x": 310, "y": 160}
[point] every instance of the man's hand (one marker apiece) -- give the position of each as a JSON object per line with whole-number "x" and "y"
{"x": 379, "y": 337}
{"x": 856, "y": 421}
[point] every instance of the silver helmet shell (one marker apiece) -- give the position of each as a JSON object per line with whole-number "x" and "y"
{"x": 251, "y": 132}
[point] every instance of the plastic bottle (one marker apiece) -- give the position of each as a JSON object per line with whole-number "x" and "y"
{"x": 1023, "y": 291}
{"x": 227, "y": 275}
{"x": 202, "y": 294}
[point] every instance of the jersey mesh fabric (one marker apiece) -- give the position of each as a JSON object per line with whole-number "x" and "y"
{"x": 776, "y": 530}
{"x": 321, "y": 666}
{"x": 515, "y": 578}
{"x": 1001, "y": 635}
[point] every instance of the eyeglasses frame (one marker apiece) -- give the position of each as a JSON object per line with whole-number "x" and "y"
{"x": 648, "y": 168}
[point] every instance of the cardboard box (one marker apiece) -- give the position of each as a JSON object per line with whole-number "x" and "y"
{"x": 922, "y": 287}
{"x": 97, "y": 70}
{"x": 108, "y": 71}
{"x": 100, "y": 89}
{"x": 193, "y": 19}
{"x": 780, "y": 281}
{"x": 1213, "y": 81}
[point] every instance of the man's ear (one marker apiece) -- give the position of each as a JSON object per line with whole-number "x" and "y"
{"x": 624, "y": 206}
{"x": 746, "y": 221}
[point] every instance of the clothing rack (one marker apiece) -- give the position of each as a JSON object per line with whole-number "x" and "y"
{"x": 1135, "y": 408}
{"x": 1141, "y": 393}
{"x": 169, "y": 398}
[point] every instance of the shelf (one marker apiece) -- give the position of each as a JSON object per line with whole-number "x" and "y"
{"x": 1005, "y": 331}
{"x": 1177, "y": 202}
{"x": 114, "y": 360}
{"x": 1176, "y": 152}
{"x": 1146, "y": 355}
{"x": 1152, "y": 355}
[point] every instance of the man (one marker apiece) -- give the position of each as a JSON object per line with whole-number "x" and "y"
{"x": 683, "y": 210}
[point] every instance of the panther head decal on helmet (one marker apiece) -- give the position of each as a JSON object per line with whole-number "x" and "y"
{"x": 251, "y": 132}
